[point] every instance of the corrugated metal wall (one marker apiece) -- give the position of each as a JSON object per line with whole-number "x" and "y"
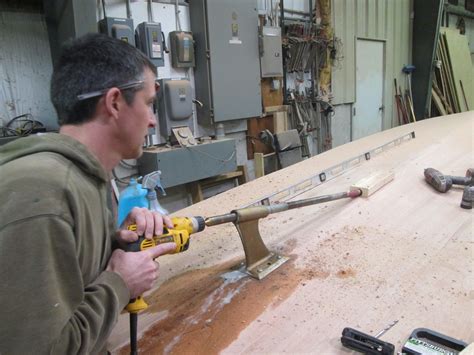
{"x": 388, "y": 20}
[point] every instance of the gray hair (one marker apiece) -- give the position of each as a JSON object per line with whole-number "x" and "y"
{"x": 91, "y": 63}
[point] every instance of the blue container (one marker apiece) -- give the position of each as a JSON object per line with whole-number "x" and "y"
{"x": 134, "y": 195}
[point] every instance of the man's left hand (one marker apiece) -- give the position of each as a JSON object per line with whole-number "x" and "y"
{"x": 149, "y": 223}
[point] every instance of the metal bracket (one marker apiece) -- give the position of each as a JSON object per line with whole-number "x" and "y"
{"x": 259, "y": 260}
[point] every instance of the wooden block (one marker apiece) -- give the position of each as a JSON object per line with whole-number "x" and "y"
{"x": 221, "y": 177}
{"x": 195, "y": 190}
{"x": 259, "y": 165}
{"x": 279, "y": 108}
{"x": 244, "y": 177}
{"x": 373, "y": 183}
{"x": 280, "y": 122}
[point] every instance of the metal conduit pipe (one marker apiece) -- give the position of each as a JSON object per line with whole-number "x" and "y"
{"x": 296, "y": 12}
{"x": 282, "y": 27}
{"x": 129, "y": 10}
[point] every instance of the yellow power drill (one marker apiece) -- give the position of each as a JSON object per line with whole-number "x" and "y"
{"x": 183, "y": 227}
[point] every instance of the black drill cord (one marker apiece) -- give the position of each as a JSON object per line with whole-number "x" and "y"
{"x": 133, "y": 333}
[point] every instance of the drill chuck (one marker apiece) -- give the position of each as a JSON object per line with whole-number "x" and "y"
{"x": 198, "y": 223}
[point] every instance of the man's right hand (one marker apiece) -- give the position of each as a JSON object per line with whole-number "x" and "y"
{"x": 138, "y": 269}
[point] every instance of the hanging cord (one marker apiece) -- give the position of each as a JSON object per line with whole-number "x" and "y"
{"x": 26, "y": 125}
{"x": 150, "y": 11}
{"x": 121, "y": 181}
{"x": 124, "y": 164}
{"x": 178, "y": 22}
{"x": 337, "y": 53}
{"x": 213, "y": 157}
{"x": 276, "y": 14}
{"x": 103, "y": 8}
{"x": 129, "y": 10}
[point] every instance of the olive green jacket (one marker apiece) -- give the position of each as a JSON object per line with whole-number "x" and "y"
{"x": 55, "y": 241}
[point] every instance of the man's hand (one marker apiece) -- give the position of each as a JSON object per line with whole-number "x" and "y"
{"x": 149, "y": 223}
{"x": 138, "y": 270}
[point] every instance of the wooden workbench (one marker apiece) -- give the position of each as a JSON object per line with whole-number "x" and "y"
{"x": 405, "y": 253}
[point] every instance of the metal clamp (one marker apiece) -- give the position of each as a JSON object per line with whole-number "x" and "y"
{"x": 259, "y": 260}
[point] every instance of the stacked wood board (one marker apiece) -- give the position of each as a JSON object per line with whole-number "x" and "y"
{"x": 404, "y": 253}
{"x": 453, "y": 83}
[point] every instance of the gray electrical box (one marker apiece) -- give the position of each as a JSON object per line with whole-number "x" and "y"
{"x": 175, "y": 105}
{"x": 121, "y": 28}
{"x": 182, "y": 165}
{"x": 150, "y": 41}
{"x": 227, "y": 73}
{"x": 182, "y": 49}
{"x": 270, "y": 55}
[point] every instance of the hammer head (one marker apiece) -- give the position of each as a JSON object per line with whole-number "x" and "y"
{"x": 470, "y": 172}
{"x": 408, "y": 69}
{"x": 468, "y": 197}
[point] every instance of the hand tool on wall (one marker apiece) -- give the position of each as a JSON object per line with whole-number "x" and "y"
{"x": 408, "y": 70}
{"x": 401, "y": 108}
{"x": 442, "y": 183}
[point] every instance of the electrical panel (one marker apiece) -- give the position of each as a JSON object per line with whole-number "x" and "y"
{"x": 175, "y": 105}
{"x": 271, "y": 63}
{"x": 120, "y": 28}
{"x": 149, "y": 40}
{"x": 182, "y": 49}
{"x": 227, "y": 72}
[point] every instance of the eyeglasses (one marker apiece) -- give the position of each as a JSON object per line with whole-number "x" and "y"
{"x": 130, "y": 85}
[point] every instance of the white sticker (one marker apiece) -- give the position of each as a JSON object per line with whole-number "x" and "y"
{"x": 235, "y": 40}
{"x": 425, "y": 348}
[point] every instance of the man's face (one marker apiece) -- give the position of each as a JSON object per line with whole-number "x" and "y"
{"x": 137, "y": 118}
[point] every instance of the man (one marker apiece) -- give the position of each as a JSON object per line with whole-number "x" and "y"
{"x": 63, "y": 284}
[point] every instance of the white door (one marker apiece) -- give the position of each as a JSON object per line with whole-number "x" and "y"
{"x": 368, "y": 108}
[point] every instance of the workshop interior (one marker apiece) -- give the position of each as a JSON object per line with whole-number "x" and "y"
{"x": 262, "y": 103}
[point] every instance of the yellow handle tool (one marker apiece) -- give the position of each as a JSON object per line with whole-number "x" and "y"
{"x": 183, "y": 227}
